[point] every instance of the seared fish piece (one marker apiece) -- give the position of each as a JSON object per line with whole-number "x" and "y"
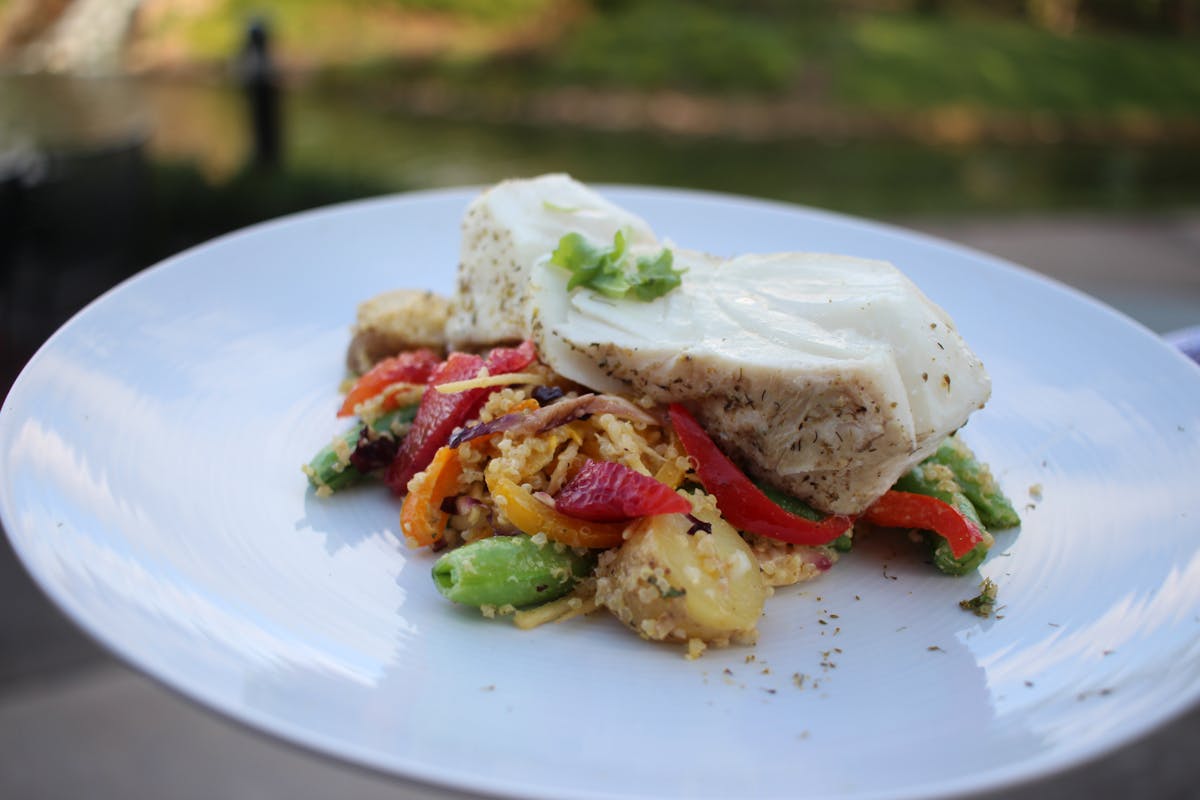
{"x": 825, "y": 375}
{"x": 505, "y": 230}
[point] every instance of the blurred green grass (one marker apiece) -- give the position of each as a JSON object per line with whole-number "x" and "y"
{"x": 913, "y": 62}
{"x": 330, "y": 33}
{"x": 818, "y": 50}
{"x": 675, "y": 45}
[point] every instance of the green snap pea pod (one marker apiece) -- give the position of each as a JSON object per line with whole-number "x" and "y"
{"x": 844, "y": 543}
{"x": 331, "y": 467}
{"x": 794, "y": 505}
{"x": 937, "y": 480}
{"x": 944, "y": 560}
{"x": 977, "y": 484}
{"x": 510, "y": 570}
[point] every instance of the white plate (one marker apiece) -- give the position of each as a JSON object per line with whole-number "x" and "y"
{"x": 151, "y": 485}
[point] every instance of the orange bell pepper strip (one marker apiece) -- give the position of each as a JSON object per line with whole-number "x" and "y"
{"x": 422, "y": 519}
{"x": 414, "y": 367}
{"x": 532, "y": 516}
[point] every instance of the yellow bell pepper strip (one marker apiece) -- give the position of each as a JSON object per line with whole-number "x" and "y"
{"x": 532, "y": 516}
{"x": 742, "y": 503}
{"x": 670, "y": 473}
{"x": 422, "y": 519}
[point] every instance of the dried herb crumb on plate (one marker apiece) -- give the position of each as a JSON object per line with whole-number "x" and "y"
{"x": 600, "y": 419}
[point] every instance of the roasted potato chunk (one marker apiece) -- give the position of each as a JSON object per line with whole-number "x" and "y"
{"x": 392, "y": 322}
{"x": 674, "y": 581}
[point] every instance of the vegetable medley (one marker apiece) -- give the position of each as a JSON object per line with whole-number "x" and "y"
{"x": 546, "y": 500}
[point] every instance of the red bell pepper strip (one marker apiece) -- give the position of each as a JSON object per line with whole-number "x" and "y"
{"x": 439, "y": 414}
{"x": 415, "y": 366}
{"x": 605, "y": 491}
{"x": 911, "y": 510}
{"x": 742, "y": 503}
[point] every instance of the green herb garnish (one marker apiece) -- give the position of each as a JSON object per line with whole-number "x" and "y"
{"x": 613, "y": 271}
{"x": 984, "y": 603}
{"x": 668, "y": 592}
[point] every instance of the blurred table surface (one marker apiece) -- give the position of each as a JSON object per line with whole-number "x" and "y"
{"x": 76, "y": 723}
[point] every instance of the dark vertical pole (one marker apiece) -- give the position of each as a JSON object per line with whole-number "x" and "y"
{"x": 260, "y": 82}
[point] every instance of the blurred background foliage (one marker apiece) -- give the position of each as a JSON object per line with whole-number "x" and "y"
{"x": 1065, "y": 56}
{"x": 1058, "y": 55}
{"x": 881, "y": 107}
{"x": 870, "y": 106}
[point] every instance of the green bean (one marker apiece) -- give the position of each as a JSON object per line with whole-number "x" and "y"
{"x": 331, "y": 467}
{"x": 937, "y": 480}
{"x": 995, "y": 510}
{"x": 510, "y": 570}
{"x": 395, "y": 423}
{"x": 792, "y": 505}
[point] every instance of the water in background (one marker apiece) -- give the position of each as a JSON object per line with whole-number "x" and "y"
{"x": 388, "y": 150}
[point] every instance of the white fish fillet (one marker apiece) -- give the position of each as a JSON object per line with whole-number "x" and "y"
{"x": 827, "y": 376}
{"x": 505, "y": 230}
